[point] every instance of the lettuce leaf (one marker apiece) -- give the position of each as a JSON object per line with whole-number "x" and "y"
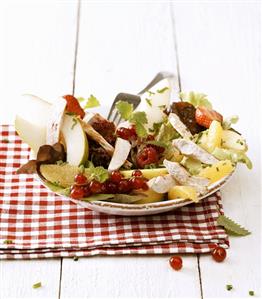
{"x": 226, "y": 124}
{"x": 232, "y": 155}
{"x": 196, "y": 99}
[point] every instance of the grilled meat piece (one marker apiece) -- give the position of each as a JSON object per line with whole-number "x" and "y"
{"x": 186, "y": 113}
{"x": 104, "y": 127}
{"x": 98, "y": 155}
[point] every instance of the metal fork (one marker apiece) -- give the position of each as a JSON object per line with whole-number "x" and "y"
{"x": 135, "y": 100}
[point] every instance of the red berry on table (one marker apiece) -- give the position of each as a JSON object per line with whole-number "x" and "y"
{"x": 137, "y": 172}
{"x": 205, "y": 116}
{"x": 219, "y": 254}
{"x": 148, "y": 155}
{"x": 137, "y": 182}
{"x": 132, "y": 131}
{"x": 95, "y": 187}
{"x": 124, "y": 186}
{"x": 77, "y": 192}
{"x": 80, "y": 179}
{"x": 176, "y": 262}
{"x": 116, "y": 176}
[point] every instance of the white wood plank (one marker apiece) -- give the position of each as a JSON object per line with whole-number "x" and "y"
{"x": 18, "y": 277}
{"x": 129, "y": 277}
{"x": 219, "y": 54}
{"x": 38, "y": 52}
{"x": 37, "y": 56}
{"x": 121, "y": 47}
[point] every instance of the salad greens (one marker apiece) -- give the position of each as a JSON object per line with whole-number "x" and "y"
{"x": 196, "y": 99}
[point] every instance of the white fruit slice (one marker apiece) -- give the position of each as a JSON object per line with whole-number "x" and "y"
{"x": 121, "y": 152}
{"x": 32, "y": 134}
{"x": 179, "y": 126}
{"x": 31, "y": 119}
{"x": 55, "y": 121}
{"x": 161, "y": 184}
{"x": 75, "y": 140}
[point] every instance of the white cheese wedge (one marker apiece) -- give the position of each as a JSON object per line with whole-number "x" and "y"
{"x": 121, "y": 152}
{"x": 189, "y": 148}
{"x": 179, "y": 126}
{"x": 161, "y": 184}
{"x": 55, "y": 121}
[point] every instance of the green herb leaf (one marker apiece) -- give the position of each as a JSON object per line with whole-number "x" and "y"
{"x": 139, "y": 119}
{"x": 156, "y": 127}
{"x": 196, "y": 99}
{"x": 8, "y": 242}
{"x": 75, "y": 258}
{"x": 125, "y": 109}
{"x": 162, "y": 90}
{"x": 151, "y": 166}
{"x": 229, "y": 287}
{"x": 232, "y": 226}
{"x": 157, "y": 143}
{"x": 151, "y": 93}
{"x": 37, "y": 285}
{"x": 166, "y": 133}
{"x": 74, "y": 119}
{"x": 99, "y": 174}
{"x": 251, "y": 293}
{"x": 92, "y": 102}
{"x": 149, "y": 102}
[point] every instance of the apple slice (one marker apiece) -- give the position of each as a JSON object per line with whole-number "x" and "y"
{"x": 75, "y": 140}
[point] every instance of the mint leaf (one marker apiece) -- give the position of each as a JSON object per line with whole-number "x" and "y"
{"x": 232, "y": 226}
{"x": 37, "y": 285}
{"x": 125, "y": 109}
{"x": 149, "y": 102}
{"x": 162, "y": 90}
{"x": 196, "y": 99}
{"x": 91, "y": 102}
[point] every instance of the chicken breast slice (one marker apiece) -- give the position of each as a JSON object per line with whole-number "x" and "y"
{"x": 189, "y": 148}
{"x": 162, "y": 184}
{"x": 179, "y": 126}
{"x": 183, "y": 177}
{"x": 121, "y": 152}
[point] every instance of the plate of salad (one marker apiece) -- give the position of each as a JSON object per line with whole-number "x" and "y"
{"x": 163, "y": 155}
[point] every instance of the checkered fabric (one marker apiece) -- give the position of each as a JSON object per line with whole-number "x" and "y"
{"x": 39, "y": 224}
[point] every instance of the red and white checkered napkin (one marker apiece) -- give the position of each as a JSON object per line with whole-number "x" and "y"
{"x": 43, "y": 225}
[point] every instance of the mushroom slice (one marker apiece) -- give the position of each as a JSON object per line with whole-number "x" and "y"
{"x": 162, "y": 184}
{"x": 55, "y": 121}
{"x": 183, "y": 177}
{"x": 93, "y": 134}
{"x": 179, "y": 126}
{"x": 189, "y": 148}
{"x": 121, "y": 152}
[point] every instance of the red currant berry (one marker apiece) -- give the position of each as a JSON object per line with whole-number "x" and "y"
{"x": 80, "y": 179}
{"x": 116, "y": 176}
{"x": 176, "y": 262}
{"x": 111, "y": 187}
{"x": 147, "y": 156}
{"x": 123, "y": 133}
{"x": 150, "y": 137}
{"x": 77, "y": 192}
{"x": 87, "y": 191}
{"x": 137, "y": 172}
{"x": 137, "y": 182}
{"x": 219, "y": 254}
{"x": 124, "y": 186}
{"x": 95, "y": 187}
{"x": 132, "y": 131}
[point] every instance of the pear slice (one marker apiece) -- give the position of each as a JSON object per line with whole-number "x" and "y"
{"x": 75, "y": 139}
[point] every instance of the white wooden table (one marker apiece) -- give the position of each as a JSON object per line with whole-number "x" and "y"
{"x": 51, "y": 48}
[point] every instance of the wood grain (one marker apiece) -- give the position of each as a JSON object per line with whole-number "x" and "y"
{"x": 38, "y": 56}
{"x": 219, "y": 54}
{"x": 121, "y": 48}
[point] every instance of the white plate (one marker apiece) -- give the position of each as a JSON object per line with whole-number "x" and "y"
{"x": 143, "y": 209}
